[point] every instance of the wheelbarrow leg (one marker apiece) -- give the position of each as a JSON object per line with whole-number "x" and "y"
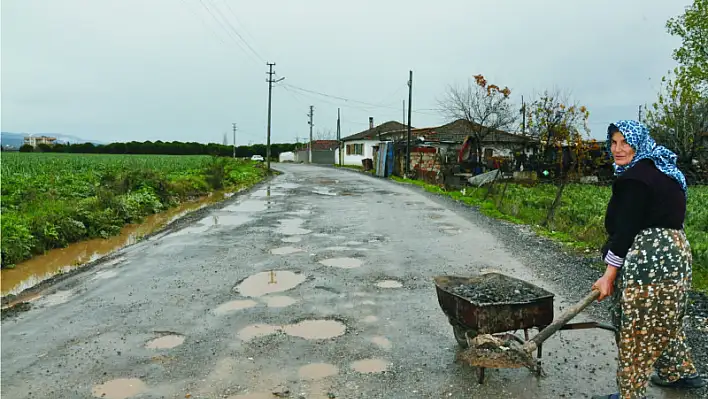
{"x": 481, "y": 375}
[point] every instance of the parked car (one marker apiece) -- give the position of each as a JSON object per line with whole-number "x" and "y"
{"x": 257, "y": 158}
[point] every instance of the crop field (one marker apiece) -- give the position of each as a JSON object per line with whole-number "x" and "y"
{"x": 52, "y": 200}
{"x": 579, "y": 220}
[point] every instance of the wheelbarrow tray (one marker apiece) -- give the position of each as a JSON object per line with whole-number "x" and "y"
{"x": 470, "y": 318}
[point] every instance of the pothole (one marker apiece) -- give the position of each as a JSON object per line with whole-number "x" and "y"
{"x": 291, "y": 227}
{"x": 368, "y": 302}
{"x": 254, "y": 395}
{"x": 389, "y": 284}
{"x": 57, "y": 298}
{"x": 353, "y": 243}
{"x": 316, "y": 329}
{"x": 121, "y": 388}
{"x": 381, "y": 342}
{"x": 342, "y": 263}
{"x": 280, "y": 301}
{"x": 370, "y": 366}
{"x": 166, "y": 342}
{"x": 285, "y": 250}
{"x": 370, "y": 319}
{"x": 317, "y": 371}
{"x": 268, "y": 282}
{"x": 292, "y": 239}
{"x": 232, "y": 306}
{"x": 105, "y": 274}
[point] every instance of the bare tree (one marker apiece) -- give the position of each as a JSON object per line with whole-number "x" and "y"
{"x": 485, "y": 107}
{"x": 324, "y": 134}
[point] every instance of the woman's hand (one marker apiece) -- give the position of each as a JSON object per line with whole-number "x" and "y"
{"x": 606, "y": 283}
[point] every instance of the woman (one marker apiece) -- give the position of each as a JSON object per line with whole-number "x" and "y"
{"x": 648, "y": 263}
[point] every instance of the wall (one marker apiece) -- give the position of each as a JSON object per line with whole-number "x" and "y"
{"x": 356, "y": 159}
{"x": 324, "y": 157}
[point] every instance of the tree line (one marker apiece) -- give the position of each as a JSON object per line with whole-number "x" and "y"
{"x": 162, "y": 148}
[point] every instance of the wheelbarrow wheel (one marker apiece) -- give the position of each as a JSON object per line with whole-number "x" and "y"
{"x": 460, "y": 335}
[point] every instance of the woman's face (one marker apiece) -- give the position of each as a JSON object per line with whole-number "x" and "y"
{"x": 622, "y": 152}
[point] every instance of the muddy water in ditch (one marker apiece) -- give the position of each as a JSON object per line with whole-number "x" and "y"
{"x": 40, "y": 268}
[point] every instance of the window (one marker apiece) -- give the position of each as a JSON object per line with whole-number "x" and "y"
{"x": 488, "y": 153}
{"x": 355, "y": 149}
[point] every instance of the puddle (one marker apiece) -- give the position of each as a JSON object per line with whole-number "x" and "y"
{"x": 370, "y": 366}
{"x": 370, "y": 319}
{"x": 56, "y": 298}
{"x": 255, "y": 395}
{"x": 121, "y": 388}
{"x": 291, "y": 227}
{"x": 323, "y": 191}
{"x": 316, "y": 329}
{"x": 435, "y": 216}
{"x": 33, "y": 271}
{"x": 326, "y": 181}
{"x": 342, "y": 263}
{"x": 280, "y": 301}
{"x": 267, "y": 192}
{"x": 292, "y": 239}
{"x": 247, "y": 206}
{"x": 389, "y": 284}
{"x": 211, "y": 221}
{"x": 340, "y": 249}
{"x": 257, "y": 330}
{"x": 317, "y": 371}
{"x": 488, "y": 270}
{"x": 353, "y": 243}
{"x": 381, "y": 342}
{"x": 287, "y": 185}
{"x": 232, "y": 306}
{"x": 320, "y": 235}
{"x": 268, "y": 282}
{"x": 301, "y": 212}
{"x": 166, "y": 342}
{"x": 285, "y": 250}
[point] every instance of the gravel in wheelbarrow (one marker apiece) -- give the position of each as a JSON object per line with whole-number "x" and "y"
{"x": 498, "y": 289}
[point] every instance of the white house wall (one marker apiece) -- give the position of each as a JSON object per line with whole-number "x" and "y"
{"x": 356, "y": 159}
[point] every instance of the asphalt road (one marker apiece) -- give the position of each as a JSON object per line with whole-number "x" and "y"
{"x": 318, "y": 284}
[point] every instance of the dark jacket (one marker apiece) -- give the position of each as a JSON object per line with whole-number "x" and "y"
{"x": 642, "y": 197}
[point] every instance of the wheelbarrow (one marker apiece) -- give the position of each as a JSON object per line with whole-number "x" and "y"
{"x": 472, "y": 319}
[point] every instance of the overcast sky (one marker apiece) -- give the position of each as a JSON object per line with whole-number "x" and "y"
{"x": 120, "y": 70}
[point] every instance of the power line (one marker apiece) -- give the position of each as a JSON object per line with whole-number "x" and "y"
{"x": 236, "y": 31}
{"x": 227, "y": 32}
{"x": 231, "y": 10}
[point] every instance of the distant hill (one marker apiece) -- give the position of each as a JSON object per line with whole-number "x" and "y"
{"x": 17, "y": 139}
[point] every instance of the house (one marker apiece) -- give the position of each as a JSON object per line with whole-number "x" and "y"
{"x": 323, "y": 152}
{"x": 360, "y": 146}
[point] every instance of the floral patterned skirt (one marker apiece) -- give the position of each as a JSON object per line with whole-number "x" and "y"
{"x": 649, "y": 305}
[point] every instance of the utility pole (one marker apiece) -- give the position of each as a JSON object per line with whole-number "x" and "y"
{"x": 270, "y": 94}
{"x": 640, "y": 114}
{"x": 404, "y": 112}
{"x": 234, "y": 126}
{"x": 523, "y": 116}
{"x": 309, "y": 145}
{"x": 408, "y": 143}
{"x": 339, "y": 137}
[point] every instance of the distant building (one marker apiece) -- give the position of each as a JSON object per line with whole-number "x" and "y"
{"x": 35, "y": 140}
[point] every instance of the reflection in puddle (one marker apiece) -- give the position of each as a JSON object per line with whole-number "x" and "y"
{"x": 370, "y": 319}
{"x": 285, "y": 250}
{"x": 389, "y": 284}
{"x": 381, "y": 342}
{"x": 316, "y": 329}
{"x": 317, "y": 371}
{"x": 122, "y": 388}
{"x": 342, "y": 263}
{"x": 231, "y": 306}
{"x": 291, "y": 227}
{"x": 257, "y": 330}
{"x": 279, "y": 301}
{"x": 165, "y": 342}
{"x": 268, "y": 282}
{"x": 370, "y": 366}
{"x": 292, "y": 239}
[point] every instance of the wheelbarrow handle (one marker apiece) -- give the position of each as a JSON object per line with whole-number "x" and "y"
{"x": 562, "y": 320}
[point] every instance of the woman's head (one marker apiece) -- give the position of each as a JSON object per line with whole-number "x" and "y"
{"x": 622, "y": 151}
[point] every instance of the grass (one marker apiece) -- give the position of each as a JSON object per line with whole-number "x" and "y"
{"x": 50, "y": 200}
{"x": 579, "y": 220}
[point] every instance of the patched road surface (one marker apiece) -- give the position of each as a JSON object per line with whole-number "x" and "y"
{"x": 318, "y": 284}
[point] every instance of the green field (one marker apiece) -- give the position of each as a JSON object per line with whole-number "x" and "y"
{"x": 51, "y": 200}
{"x": 579, "y": 220}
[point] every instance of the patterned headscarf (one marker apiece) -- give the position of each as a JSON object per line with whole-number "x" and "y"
{"x": 637, "y": 135}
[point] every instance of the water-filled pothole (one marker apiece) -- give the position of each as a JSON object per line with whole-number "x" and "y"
{"x": 317, "y": 371}
{"x": 280, "y": 301}
{"x": 381, "y": 342}
{"x": 292, "y": 239}
{"x": 291, "y": 227}
{"x": 316, "y": 329}
{"x": 235, "y": 305}
{"x": 257, "y": 330}
{"x": 121, "y": 388}
{"x": 268, "y": 282}
{"x": 166, "y": 342}
{"x": 389, "y": 284}
{"x": 370, "y": 319}
{"x": 370, "y": 366}
{"x": 285, "y": 250}
{"x": 342, "y": 263}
